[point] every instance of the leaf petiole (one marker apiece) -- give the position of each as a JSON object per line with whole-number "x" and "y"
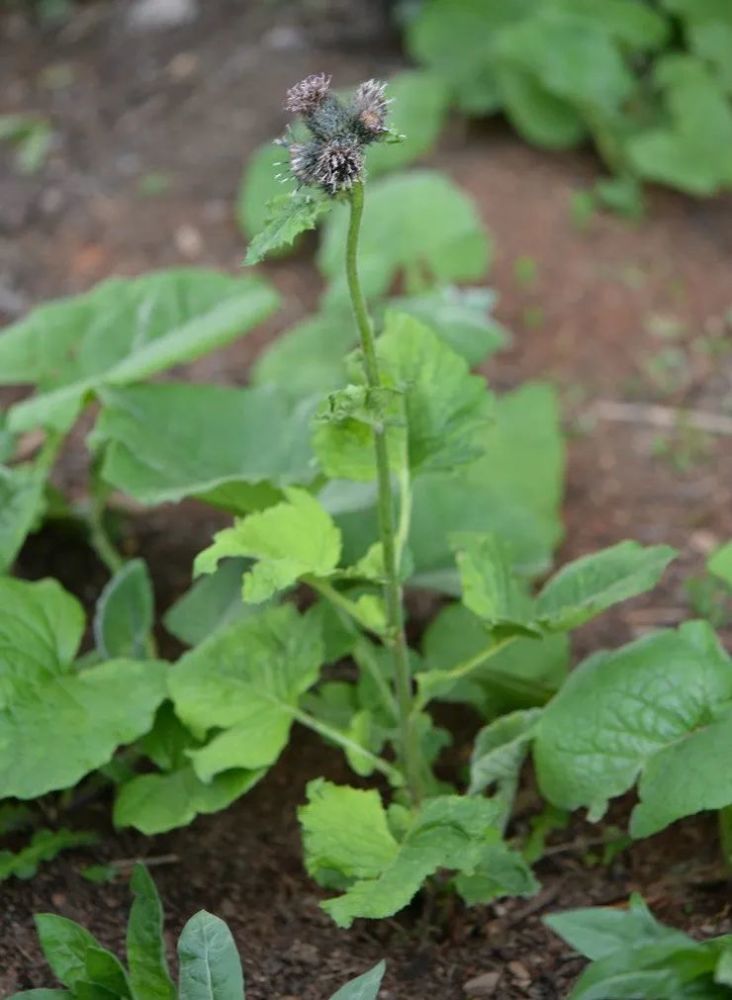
{"x": 329, "y": 733}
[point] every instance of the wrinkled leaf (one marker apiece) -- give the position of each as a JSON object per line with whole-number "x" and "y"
{"x": 381, "y": 875}
{"x": 290, "y": 540}
{"x": 245, "y": 682}
{"x": 208, "y": 442}
{"x": 21, "y": 503}
{"x": 288, "y": 215}
{"x": 650, "y": 709}
{"x": 83, "y": 716}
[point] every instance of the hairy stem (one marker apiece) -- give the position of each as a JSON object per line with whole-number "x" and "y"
{"x": 396, "y": 640}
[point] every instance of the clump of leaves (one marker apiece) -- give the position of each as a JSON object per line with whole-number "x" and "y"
{"x": 633, "y": 955}
{"x": 648, "y": 82}
{"x": 209, "y": 967}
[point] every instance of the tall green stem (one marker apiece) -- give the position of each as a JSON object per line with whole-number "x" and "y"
{"x": 395, "y": 638}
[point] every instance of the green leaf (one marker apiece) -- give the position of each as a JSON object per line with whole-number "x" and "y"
{"x": 288, "y": 215}
{"x": 328, "y": 840}
{"x": 45, "y": 845}
{"x": 123, "y": 331}
{"x": 651, "y": 708}
{"x": 584, "y": 588}
{"x": 571, "y": 57}
{"x": 499, "y": 752}
{"x": 491, "y": 588}
{"x": 21, "y": 503}
{"x": 461, "y": 317}
{"x": 260, "y": 185}
{"x": 245, "y": 682}
{"x": 417, "y": 112}
{"x": 125, "y": 613}
{"x": 209, "y": 962}
{"x": 290, "y": 540}
{"x": 149, "y": 976}
{"x": 212, "y": 603}
{"x": 308, "y": 359}
{"x": 446, "y": 244}
{"x": 67, "y": 947}
{"x": 156, "y": 803}
{"x": 365, "y": 987}
{"x": 447, "y": 410}
{"x": 514, "y": 490}
{"x": 526, "y": 673}
{"x": 456, "y": 38}
{"x": 538, "y": 115}
{"x": 82, "y": 716}
{"x": 720, "y": 563}
{"x": 207, "y": 440}
{"x": 578, "y": 592}
{"x": 598, "y": 931}
{"x": 104, "y": 970}
{"x": 381, "y": 876}
{"x": 427, "y": 389}
{"x": 694, "y": 151}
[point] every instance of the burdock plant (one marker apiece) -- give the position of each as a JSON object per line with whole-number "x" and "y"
{"x": 331, "y": 160}
{"x": 412, "y": 413}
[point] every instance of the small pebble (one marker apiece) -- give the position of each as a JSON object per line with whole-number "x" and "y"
{"x": 482, "y": 986}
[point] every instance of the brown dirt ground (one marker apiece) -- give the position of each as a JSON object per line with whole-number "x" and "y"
{"x": 617, "y": 312}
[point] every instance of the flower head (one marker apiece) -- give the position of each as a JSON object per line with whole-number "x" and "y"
{"x": 333, "y": 158}
{"x": 370, "y": 108}
{"x": 308, "y": 95}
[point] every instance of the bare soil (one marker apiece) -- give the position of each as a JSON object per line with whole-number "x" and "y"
{"x": 616, "y": 312}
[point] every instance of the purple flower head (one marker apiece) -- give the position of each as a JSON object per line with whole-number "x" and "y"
{"x": 333, "y": 157}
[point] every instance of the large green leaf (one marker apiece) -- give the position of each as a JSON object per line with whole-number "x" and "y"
{"x": 293, "y": 539}
{"x": 514, "y": 490}
{"x": 149, "y": 976}
{"x": 210, "y": 968}
{"x": 570, "y": 56}
{"x": 308, "y": 359}
{"x": 537, "y": 114}
{"x": 381, "y": 874}
{"x": 208, "y": 441}
{"x": 21, "y": 502}
{"x": 448, "y": 243}
{"x": 430, "y": 404}
{"x": 694, "y": 150}
{"x": 456, "y": 38}
{"x": 654, "y": 709}
{"x": 244, "y": 683}
{"x": 56, "y": 723}
{"x": 156, "y": 803}
{"x": 123, "y": 331}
